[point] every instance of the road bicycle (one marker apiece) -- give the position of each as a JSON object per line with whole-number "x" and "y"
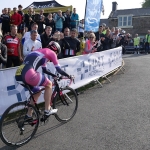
{"x": 15, "y": 130}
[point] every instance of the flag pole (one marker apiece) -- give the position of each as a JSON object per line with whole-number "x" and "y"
{"x": 85, "y": 14}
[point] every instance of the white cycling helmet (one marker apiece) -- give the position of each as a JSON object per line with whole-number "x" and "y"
{"x": 54, "y": 46}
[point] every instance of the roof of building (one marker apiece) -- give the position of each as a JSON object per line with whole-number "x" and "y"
{"x": 106, "y": 21}
{"x": 134, "y": 12}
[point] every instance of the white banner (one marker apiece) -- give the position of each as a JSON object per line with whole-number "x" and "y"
{"x": 85, "y": 68}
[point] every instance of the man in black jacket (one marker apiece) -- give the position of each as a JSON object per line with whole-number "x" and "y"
{"x": 99, "y": 33}
{"x": 5, "y": 22}
{"x": 40, "y": 20}
{"x": 70, "y": 45}
{"x": 3, "y": 53}
{"x": 46, "y": 37}
{"x": 67, "y": 20}
{"x": 29, "y": 19}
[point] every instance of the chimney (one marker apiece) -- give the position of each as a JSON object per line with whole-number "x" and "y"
{"x": 114, "y": 6}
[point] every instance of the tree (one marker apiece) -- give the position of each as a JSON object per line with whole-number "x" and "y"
{"x": 146, "y": 3}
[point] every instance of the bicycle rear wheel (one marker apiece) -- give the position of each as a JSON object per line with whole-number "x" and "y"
{"x": 67, "y": 103}
{"x": 15, "y": 130}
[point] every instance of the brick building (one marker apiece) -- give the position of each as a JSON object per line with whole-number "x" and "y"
{"x": 134, "y": 21}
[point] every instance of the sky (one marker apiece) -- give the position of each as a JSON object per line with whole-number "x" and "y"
{"x": 79, "y": 5}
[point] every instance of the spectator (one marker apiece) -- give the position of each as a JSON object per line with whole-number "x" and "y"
{"x": 136, "y": 44}
{"x": 71, "y": 45}
{"x": 81, "y": 28}
{"x": 1, "y": 22}
{"x": 21, "y": 27}
{"x": 90, "y": 45}
{"x": 49, "y": 21}
{"x": 54, "y": 14}
{"x": 16, "y": 18}
{"x": 112, "y": 30}
{"x": 107, "y": 41}
{"x": 31, "y": 44}
{"x": 27, "y": 35}
{"x": 67, "y": 20}
{"x": 74, "y": 19}
{"x": 46, "y": 37}
{"x": 5, "y": 22}
{"x": 59, "y": 19}
{"x": 66, "y": 32}
{"x": 3, "y": 54}
{"x": 99, "y": 34}
{"x": 115, "y": 38}
{"x": 56, "y": 36}
{"x": 29, "y": 19}
{"x": 104, "y": 28}
{"x": 13, "y": 48}
{"x": 147, "y": 42}
{"x": 40, "y": 20}
{"x": 9, "y": 12}
{"x": 142, "y": 43}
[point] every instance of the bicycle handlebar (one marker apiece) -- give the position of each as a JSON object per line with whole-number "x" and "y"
{"x": 59, "y": 78}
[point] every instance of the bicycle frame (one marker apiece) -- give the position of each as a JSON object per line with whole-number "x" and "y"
{"x": 56, "y": 90}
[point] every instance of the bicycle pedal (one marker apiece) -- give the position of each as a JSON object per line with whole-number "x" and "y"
{"x": 44, "y": 119}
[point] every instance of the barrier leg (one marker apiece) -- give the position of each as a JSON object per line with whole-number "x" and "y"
{"x": 107, "y": 78}
{"x": 99, "y": 82}
{"x": 68, "y": 98}
{"x": 122, "y": 69}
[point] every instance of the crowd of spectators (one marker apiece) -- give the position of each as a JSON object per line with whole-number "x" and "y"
{"x": 26, "y": 32}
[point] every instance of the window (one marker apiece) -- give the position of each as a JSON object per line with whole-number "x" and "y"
{"x": 124, "y": 21}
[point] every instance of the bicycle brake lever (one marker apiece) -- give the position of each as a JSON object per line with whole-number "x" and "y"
{"x": 73, "y": 80}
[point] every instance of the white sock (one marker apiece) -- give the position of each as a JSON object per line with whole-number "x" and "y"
{"x": 47, "y": 111}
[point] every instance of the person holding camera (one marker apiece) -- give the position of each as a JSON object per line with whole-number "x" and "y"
{"x": 29, "y": 19}
{"x": 115, "y": 38}
{"x": 90, "y": 45}
{"x": 59, "y": 19}
{"x": 107, "y": 40}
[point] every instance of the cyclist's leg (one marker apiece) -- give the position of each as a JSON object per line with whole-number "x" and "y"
{"x": 35, "y": 96}
{"x": 34, "y": 78}
{"x": 47, "y": 95}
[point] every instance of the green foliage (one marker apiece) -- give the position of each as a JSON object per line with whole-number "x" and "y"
{"x": 146, "y": 3}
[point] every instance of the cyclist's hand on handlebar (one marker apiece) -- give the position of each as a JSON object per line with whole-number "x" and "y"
{"x": 71, "y": 77}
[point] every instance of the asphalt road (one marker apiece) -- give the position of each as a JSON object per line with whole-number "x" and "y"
{"x": 115, "y": 117}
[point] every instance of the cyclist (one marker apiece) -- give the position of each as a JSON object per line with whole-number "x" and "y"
{"x": 27, "y": 73}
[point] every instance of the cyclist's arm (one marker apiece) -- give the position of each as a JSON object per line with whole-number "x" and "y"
{"x": 53, "y": 57}
{"x": 45, "y": 70}
{"x": 59, "y": 70}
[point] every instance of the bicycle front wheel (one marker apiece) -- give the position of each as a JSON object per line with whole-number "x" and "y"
{"x": 67, "y": 103}
{"x": 15, "y": 129}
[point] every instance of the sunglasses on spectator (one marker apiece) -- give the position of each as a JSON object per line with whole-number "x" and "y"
{"x": 91, "y": 37}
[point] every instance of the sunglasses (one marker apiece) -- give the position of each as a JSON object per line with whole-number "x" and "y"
{"x": 91, "y": 37}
